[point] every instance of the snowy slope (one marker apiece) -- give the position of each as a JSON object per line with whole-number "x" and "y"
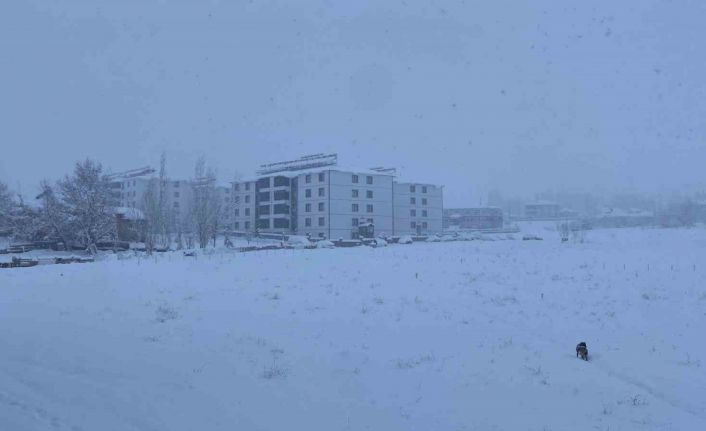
{"x": 431, "y": 336}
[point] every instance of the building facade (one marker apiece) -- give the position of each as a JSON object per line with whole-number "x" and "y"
{"x": 313, "y": 196}
{"x": 131, "y": 191}
{"x": 542, "y": 211}
{"x": 473, "y": 218}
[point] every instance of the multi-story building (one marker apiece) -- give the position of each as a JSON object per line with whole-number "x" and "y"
{"x": 130, "y": 190}
{"x": 313, "y": 196}
{"x": 473, "y": 218}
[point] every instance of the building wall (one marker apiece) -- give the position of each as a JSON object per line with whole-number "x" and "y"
{"x": 418, "y": 208}
{"x": 308, "y": 207}
{"x": 328, "y": 209}
{"x": 374, "y": 203}
{"x": 274, "y": 204}
{"x": 473, "y": 218}
{"x": 243, "y": 198}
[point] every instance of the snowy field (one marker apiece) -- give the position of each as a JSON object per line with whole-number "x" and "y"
{"x": 442, "y": 336}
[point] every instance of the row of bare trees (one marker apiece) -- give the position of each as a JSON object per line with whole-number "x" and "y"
{"x": 79, "y": 209}
{"x": 74, "y": 210}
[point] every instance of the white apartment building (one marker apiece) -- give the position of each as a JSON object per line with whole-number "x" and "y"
{"x": 313, "y": 196}
{"x": 129, "y": 191}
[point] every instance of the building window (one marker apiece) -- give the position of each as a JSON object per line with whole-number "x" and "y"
{"x": 236, "y": 225}
{"x": 370, "y": 221}
{"x": 321, "y": 206}
{"x": 412, "y": 189}
{"x": 247, "y": 187}
{"x": 281, "y": 209}
{"x": 265, "y": 209}
{"x": 263, "y": 223}
{"x": 247, "y": 225}
{"x": 368, "y": 179}
{"x": 281, "y": 195}
{"x": 322, "y": 221}
{"x": 307, "y": 222}
{"x": 412, "y": 201}
{"x": 281, "y": 181}
{"x": 369, "y": 194}
{"x": 236, "y": 186}
{"x": 424, "y": 213}
{"x": 413, "y": 213}
{"x": 354, "y": 179}
{"x": 307, "y": 178}
{"x": 176, "y": 183}
{"x": 176, "y": 194}
{"x": 354, "y": 193}
{"x": 322, "y": 191}
{"x": 424, "y": 201}
{"x": 307, "y": 208}
{"x": 354, "y": 208}
{"x": 176, "y": 204}
{"x": 264, "y": 196}
{"x": 322, "y": 177}
{"x": 263, "y": 183}
{"x": 281, "y": 223}
{"x": 247, "y": 212}
{"x": 236, "y": 199}
{"x": 307, "y": 193}
{"x": 424, "y": 189}
{"x": 424, "y": 225}
{"x": 354, "y": 222}
{"x": 247, "y": 199}
{"x": 237, "y": 212}
{"x": 413, "y": 225}
{"x": 369, "y": 208}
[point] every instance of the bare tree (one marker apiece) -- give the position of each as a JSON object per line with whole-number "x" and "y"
{"x": 54, "y": 215}
{"x": 86, "y": 196}
{"x": 205, "y": 207}
{"x": 7, "y": 205}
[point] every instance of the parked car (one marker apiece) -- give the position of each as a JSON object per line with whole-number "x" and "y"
{"x": 406, "y": 239}
{"x": 433, "y": 238}
{"x": 325, "y": 244}
{"x": 531, "y": 237}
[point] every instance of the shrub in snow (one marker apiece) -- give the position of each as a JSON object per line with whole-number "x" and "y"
{"x": 405, "y": 240}
{"x": 433, "y": 238}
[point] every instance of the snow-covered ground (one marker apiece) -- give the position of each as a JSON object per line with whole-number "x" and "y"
{"x": 429, "y": 336}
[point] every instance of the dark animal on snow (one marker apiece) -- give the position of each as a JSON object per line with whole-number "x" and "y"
{"x": 582, "y": 351}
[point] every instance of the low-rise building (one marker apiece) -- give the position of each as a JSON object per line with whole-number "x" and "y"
{"x": 542, "y": 210}
{"x": 473, "y": 218}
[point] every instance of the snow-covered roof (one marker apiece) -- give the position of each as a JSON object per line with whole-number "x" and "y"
{"x": 292, "y": 174}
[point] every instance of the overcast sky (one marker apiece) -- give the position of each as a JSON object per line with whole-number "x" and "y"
{"x": 519, "y": 96}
